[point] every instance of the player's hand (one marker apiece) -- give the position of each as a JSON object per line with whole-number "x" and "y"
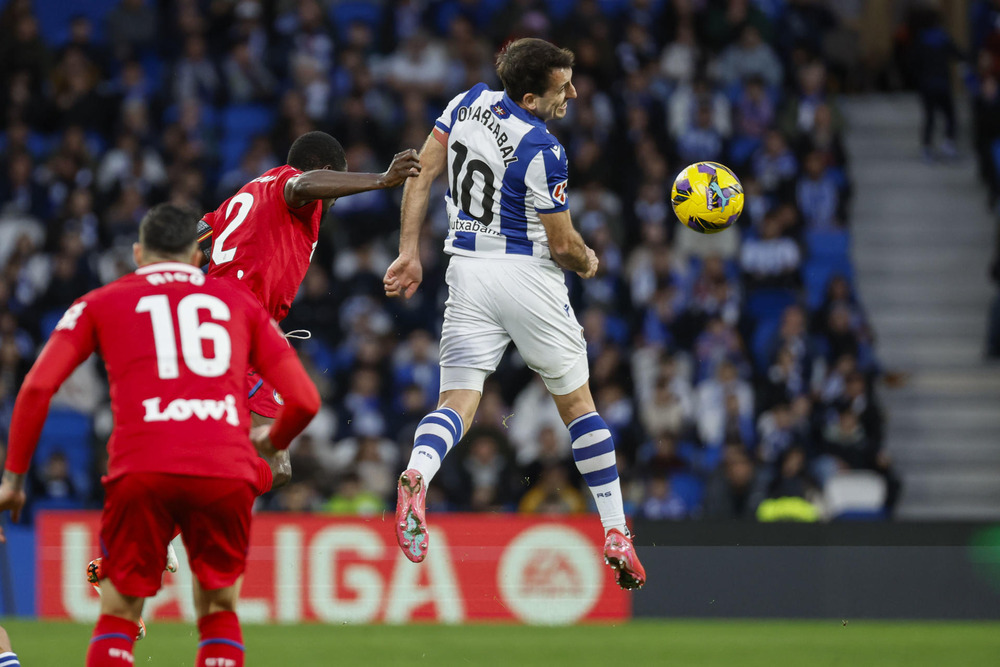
{"x": 11, "y": 498}
{"x": 403, "y": 276}
{"x": 592, "y": 264}
{"x": 405, "y": 165}
{"x": 260, "y": 436}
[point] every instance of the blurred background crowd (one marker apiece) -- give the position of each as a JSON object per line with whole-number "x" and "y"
{"x": 736, "y": 371}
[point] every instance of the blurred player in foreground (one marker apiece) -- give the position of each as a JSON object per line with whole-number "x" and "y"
{"x": 177, "y": 346}
{"x": 264, "y": 237}
{"x": 7, "y": 656}
{"x": 510, "y": 237}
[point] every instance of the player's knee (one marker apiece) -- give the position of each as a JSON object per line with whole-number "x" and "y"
{"x": 220, "y": 599}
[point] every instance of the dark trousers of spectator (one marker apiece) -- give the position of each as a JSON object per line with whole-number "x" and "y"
{"x": 993, "y": 334}
{"x": 938, "y": 100}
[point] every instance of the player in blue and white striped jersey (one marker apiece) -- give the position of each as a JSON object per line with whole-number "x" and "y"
{"x": 510, "y": 236}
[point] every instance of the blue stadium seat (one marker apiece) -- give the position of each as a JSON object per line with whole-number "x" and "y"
{"x": 816, "y": 276}
{"x": 69, "y": 432}
{"x": 996, "y": 159}
{"x": 559, "y": 9}
{"x": 247, "y": 119}
{"x": 769, "y": 303}
{"x": 828, "y": 244}
{"x": 688, "y": 488}
{"x": 54, "y": 17}
{"x": 343, "y": 14}
{"x": 760, "y": 343}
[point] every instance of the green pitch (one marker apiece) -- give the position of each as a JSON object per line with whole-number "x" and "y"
{"x": 636, "y": 644}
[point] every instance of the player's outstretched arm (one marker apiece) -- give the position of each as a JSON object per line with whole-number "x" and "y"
{"x": 329, "y": 184}
{"x": 566, "y": 245}
{"x": 405, "y": 274}
{"x": 66, "y": 350}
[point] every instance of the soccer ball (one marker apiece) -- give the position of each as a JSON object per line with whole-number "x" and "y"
{"x": 707, "y": 197}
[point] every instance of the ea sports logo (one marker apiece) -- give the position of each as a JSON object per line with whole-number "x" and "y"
{"x": 548, "y": 575}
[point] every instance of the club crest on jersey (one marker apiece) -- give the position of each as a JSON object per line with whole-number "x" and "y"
{"x": 69, "y": 318}
{"x": 277, "y": 397}
{"x": 499, "y": 111}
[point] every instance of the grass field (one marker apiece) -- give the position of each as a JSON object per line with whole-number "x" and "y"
{"x": 636, "y": 644}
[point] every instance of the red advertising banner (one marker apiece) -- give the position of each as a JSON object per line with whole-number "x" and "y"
{"x": 337, "y": 570}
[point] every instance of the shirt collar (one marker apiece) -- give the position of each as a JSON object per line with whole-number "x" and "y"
{"x": 167, "y": 266}
{"x": 519, "y": 112}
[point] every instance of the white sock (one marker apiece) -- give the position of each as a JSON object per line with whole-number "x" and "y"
{"x": 436, "y": 434}
{"x": 594, "y": 453}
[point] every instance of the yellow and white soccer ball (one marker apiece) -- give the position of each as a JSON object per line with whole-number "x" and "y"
{"x": 707, "y": 197}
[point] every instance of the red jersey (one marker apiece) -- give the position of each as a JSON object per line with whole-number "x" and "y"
{"x": 177, "y": 345}
{"x": 258, "y": 239}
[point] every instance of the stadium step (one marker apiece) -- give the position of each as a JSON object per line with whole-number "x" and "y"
{"x": 922, "y": 240}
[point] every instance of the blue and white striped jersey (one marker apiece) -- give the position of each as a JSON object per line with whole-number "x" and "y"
{"x": 504, "y": 168}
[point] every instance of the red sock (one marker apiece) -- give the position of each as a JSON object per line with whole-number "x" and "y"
{"x": 221, "y": 641}
{"x": 111, "y": 643}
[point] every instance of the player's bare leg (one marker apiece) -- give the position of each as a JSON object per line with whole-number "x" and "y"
{"x": 95, "y": 573}
{"x": 437, "y": 433}
{"x": 221, "y": 638}
{"x": 594, "y": 454}
{"x": 280, "y": 462}
{"x": 110, "y": 641}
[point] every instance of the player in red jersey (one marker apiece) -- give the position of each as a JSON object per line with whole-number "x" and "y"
{"x": 264, "y": 235}
{"x": 176, "y": 345}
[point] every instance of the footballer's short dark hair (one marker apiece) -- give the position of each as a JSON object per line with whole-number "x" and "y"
{"x": 168, "y": 230}
{"x": 525, "y": 66}
{"x": 315, "y": 150}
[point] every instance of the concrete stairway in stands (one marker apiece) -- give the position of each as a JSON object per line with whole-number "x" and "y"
{"x": 922, "y": 242}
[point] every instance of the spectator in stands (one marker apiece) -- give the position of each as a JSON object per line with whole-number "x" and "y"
{"x": 771, "y": 260}
{"x": 352, "y": 499}
{"x": 552, "y": 494}
{"x": 932, "y": 53}
{"x": 247, "y": 79}
{"x": 734, "y": 490}
{"x": 661, "y": 503}
{"x": 646, "y": 102}
{"x": 750, "y": 57}
{"x": 818, "y": 195}
{"x": 51, "y": 484}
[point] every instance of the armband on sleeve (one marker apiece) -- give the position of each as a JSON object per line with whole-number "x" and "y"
{"x": 205, "y": 239}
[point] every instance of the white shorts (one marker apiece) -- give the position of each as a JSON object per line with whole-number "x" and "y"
{"x": 492, "y": 302}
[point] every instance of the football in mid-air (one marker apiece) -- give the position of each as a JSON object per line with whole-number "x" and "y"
{"x": 707, "y": 197}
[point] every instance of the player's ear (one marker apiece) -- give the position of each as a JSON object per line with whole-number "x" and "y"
{"x": 529, "y": 101}
{"x": 137, "y": 253}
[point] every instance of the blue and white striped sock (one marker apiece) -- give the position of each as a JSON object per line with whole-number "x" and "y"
{"x": 9, "y": 659}
{"x": 594, "y": 453}
{"x": 436, "y": 434}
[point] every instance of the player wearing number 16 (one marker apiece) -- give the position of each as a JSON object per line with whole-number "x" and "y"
{"x": 177, "y": 345}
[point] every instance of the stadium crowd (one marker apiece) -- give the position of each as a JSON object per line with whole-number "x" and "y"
{"x": 735, "y": 370}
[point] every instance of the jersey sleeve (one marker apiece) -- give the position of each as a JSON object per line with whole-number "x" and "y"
{"x": 73, "y": 340}
{"x": 546, "y": 178}
{"x": 446, "y": 120}
{"x": 205, "y": 228}
{"x": 277, "y": 187}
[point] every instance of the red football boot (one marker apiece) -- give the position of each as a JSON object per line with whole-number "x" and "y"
{"x": 411, "y": 526}
{"x": 620, "y": 555}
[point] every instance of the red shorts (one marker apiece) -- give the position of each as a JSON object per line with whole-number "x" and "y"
{"x": 264, "y": 399}
{"x": 140, "y": 512}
